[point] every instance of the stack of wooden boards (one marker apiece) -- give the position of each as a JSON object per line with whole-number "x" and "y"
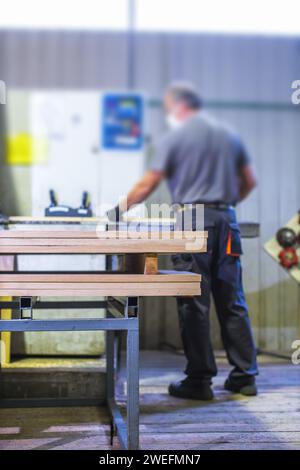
{"x": 142, "y": 278}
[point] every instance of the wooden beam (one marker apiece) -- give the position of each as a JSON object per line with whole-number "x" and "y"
{"x": 89, "y": 220}
{"x": 160, "y": 276}
{"x": 95, "y": 234}
{"x": 145, "y": 289}
{"x": 107, "y": 246}
{"x": 108, "y": 249}
{"x": 151, "y": 264}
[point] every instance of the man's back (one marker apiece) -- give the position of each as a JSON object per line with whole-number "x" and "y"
{"x": 201, "y": 161}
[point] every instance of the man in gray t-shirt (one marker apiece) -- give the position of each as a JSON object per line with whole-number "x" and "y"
{"x": 204, "y": 162}
{"x": 201, "y": 161}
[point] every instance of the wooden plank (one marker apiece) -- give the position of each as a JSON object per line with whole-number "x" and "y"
{"x": 108, "y": 289}
{"x": 32, "y": 219}
{"x": 161, "y": 276}
{"x": 20, "y": 242}
{"x": 97, "y": 234}
{"x": 113, "y": 247}
{"x": 89, "y": 220}
{"x": 78, "y": 285}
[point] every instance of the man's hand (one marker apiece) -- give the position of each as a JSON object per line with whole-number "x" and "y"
{"x": 143, "y": 188}
{"x": 115, "y": 214}
{"x": 247, "y": 181}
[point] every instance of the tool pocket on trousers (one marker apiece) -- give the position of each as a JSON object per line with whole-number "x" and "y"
{"x": 234, "y": 243}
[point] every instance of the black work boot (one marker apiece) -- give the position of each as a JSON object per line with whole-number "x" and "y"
{"x": 192, "y": 389}
{"x": 246, "y": 386}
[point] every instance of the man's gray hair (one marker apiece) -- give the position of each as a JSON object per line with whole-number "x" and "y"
{"x": 186, "y": 92}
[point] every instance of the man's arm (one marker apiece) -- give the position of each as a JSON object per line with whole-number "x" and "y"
{"x": 144, "y": 187}
{"x": 247, "y": 181}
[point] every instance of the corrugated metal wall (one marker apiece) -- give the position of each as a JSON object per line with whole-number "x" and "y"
{"x": 247, "y": 80}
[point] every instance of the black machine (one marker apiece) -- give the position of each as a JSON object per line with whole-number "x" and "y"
{"x": 58, "y": 210}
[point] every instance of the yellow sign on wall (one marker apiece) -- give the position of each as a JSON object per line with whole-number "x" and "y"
{"x": 24, "y": 149}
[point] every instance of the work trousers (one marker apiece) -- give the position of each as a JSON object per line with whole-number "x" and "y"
{"x": 221, "y": 274}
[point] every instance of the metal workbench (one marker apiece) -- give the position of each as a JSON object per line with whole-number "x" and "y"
{"x": 122, "y": 314}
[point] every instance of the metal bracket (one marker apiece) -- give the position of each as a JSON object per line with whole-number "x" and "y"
{"x": 25, "y": 306}
{"x": 132, "y": 307}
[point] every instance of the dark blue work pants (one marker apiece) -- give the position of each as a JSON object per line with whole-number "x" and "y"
{"x": 222, "y": 277}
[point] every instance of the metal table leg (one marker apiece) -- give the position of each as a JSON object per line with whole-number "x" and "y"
{"x": 133, "y": 386}
{"x": 128, "y": 432}
{"x": 110, "y": 376}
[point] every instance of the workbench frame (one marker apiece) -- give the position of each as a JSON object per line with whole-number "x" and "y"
{"x": 121, "y": 315}
{"x": 139, "y": 278}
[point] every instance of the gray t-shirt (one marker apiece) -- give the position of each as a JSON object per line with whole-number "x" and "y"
{"x": 201, "y": 161}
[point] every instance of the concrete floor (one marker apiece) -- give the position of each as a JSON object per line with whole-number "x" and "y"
{"x": 269, "y": 421}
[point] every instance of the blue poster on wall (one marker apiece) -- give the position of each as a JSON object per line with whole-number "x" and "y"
{"x": 122, "y": 121}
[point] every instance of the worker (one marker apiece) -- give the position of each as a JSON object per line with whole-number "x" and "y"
{"x": 206, "y": 163}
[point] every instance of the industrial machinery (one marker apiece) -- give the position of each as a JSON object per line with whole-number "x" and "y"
{"x": 58, "y": 210}
{"x": 288, "y": 240}
{"x": 285, "y": 247}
